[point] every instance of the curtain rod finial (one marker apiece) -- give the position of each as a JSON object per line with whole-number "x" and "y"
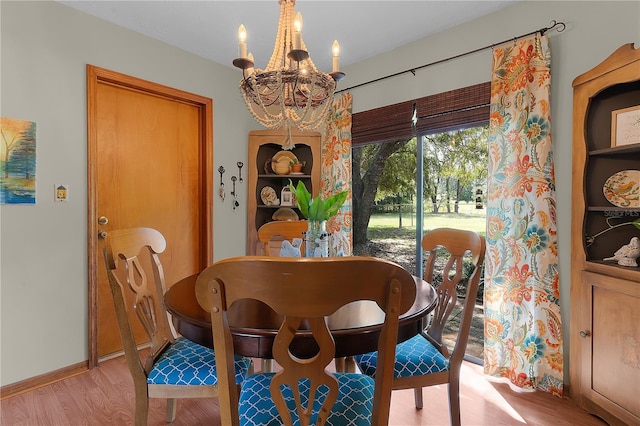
{"x": 554, "y": 25}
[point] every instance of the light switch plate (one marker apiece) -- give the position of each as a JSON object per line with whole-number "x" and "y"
{"x": 60, "y": 192}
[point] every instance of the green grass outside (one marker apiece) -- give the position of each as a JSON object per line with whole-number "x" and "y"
{"x": 380, "y": 225}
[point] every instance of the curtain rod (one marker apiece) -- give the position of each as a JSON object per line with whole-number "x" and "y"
{"x": 558, "y": 26}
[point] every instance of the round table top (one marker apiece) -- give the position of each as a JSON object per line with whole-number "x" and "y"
{"x": 355, "y": 327}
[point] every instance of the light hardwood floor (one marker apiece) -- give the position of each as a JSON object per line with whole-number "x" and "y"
{"x": 104, "y": 396}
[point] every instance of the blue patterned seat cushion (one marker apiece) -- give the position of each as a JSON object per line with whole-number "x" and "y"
{"x": 353, "y": 407}
{"x": 187, "y": 363}
{"x": 414, "y": 357}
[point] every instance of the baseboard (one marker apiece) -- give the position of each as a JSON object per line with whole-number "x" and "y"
{"x": 566, "y": 391}
{"x": 42, "y": 380}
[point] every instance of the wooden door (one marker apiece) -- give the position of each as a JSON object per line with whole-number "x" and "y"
{"x": 149, "y": 164}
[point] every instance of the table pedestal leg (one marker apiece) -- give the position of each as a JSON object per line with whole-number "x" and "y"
{"x": 266, "y": 365}
{"x": 345, "y": 365}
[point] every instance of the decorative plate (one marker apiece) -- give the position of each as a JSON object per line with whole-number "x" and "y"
{"x": 623, "y": 189}
{"x": 285, "y": 214}
{"x": 269, "y": 197}
{"x": 286, "y": 156}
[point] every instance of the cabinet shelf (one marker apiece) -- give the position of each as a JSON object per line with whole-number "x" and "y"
{"x": 616, "y": 150}
{"x": 611, "y": 269}
{"x": 279, "y": 177}
{"x": 262, "y": 206}
{"x": 611, "y": 264}
{"x": 613, "y": 209}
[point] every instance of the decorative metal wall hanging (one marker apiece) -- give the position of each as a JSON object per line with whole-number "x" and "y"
{"x": 240, "y": 164}
{"x": 221, "y": 192}
{"x": 233, "y": 192}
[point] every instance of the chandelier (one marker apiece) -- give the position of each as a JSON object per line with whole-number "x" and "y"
{"x": 290, "y": 91}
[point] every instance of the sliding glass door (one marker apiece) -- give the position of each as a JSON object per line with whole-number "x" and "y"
{"x": 451, "y": 176}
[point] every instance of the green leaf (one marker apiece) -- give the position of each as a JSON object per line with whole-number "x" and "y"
{"x": 303, "y": 197}
{"x": 316, "y": 210}
{"x": 636, "y": 223}
{"x": 333, "y": 204}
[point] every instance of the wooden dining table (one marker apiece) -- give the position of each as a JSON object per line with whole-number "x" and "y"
{"x": 253, "y": 325}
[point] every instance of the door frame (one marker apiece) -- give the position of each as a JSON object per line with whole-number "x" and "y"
{"x": 96, "y": 76}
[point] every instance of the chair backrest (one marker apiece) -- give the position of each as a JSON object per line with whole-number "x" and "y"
{"x": 286, "y": 230}
{"x": 308, "y": 289}
{"x": 137, "y": 287}
{"x": 456, "y": 243}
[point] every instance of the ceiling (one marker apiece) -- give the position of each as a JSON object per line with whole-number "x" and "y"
{"x": 363, "y": 28}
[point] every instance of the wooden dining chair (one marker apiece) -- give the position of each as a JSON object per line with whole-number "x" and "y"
{"x": 425, "y": 359}
{"x": 310, "y": 289}
{"x": 271, "y": 234}
{"x": 174, "y": 368}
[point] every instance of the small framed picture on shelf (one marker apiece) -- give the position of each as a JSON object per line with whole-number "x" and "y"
{"x": 625, "y": 126}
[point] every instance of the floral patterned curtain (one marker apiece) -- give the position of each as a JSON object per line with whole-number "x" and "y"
{"x": 336, "y": 172}
{"x": 523, "y": 331}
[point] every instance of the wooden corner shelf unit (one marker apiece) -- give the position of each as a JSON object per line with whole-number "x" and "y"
{"x": 263, "y": 145}
{"x": 605, "y": 297}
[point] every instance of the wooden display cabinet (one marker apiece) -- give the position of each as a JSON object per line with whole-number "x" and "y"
{"x": 263, "y": 145}
{"x": 605, "y": 297}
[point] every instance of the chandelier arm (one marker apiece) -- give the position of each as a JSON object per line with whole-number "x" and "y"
{"x": 306, "y": 109}
{"x": 266, "y": 118}
{"x": 320, "y": 118}
{"x": 294, "y": 90}
{"x": 267, "y": 121}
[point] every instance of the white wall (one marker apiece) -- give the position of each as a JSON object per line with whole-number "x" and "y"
{"x": 594, "y": 30}
{"x": 44, "y": 50}
{"x": 43, "y": 278}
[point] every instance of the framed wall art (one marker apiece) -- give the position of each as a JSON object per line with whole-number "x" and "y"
{"x": 625, "y": 126}
{"x": 17, "y": 161}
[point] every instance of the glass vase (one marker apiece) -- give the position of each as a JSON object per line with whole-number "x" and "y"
{"x": 317, "y": 239}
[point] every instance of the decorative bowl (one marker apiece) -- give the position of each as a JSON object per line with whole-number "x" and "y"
{"x": 281, "y": 167}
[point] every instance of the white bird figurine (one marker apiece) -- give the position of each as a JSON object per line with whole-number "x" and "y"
{"x": 627, "y": 254}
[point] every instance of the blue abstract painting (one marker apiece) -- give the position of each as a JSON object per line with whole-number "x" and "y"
{"x": 17, "y": 161}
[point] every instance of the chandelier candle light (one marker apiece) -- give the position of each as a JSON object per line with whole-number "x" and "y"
{"x": 290, "y": 91}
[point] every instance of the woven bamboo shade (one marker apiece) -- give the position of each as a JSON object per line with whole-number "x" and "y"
{"x": 455, "y": 109}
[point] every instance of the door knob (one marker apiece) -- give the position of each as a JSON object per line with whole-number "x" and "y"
{"x": 103, "y": 220}
{"x": 102, "y": 234}
{"x": 584, "y": 334}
